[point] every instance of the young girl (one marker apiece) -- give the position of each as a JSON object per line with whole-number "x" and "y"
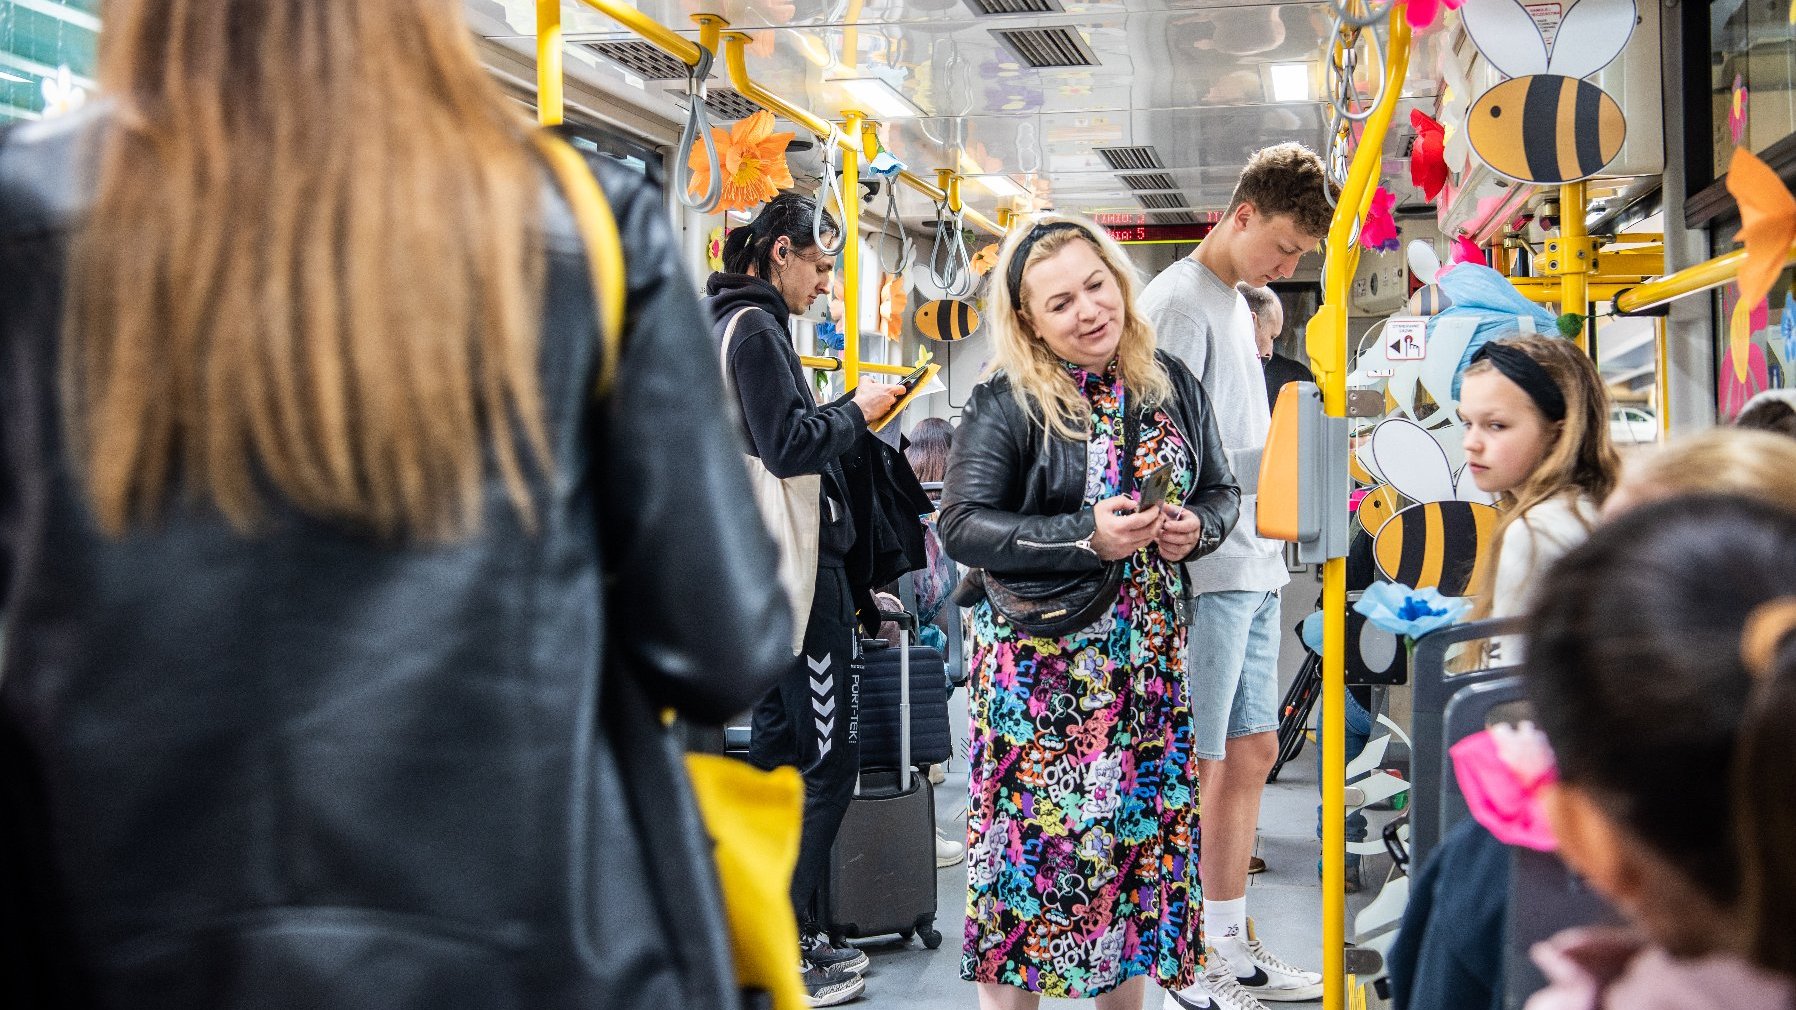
{"x": 1537, "y": 436}
{"x": 1663, "y": 669}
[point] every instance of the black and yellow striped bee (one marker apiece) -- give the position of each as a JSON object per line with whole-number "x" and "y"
{"x": 1547, "y": 125}
{"x": 947, "y": 319}
{"x": 1441, "y": 540}
{"x": 1438, "y": 543}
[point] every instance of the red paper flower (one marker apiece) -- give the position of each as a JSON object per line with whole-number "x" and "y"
{"x": 1428, "y": 161}
{"x": 1378, "y": 232}
{"x": 1466, "y": 251}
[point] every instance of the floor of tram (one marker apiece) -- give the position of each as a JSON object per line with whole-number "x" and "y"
{"x": 1285, "y": 901}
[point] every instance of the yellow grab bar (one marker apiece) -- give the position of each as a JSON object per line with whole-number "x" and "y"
{"x": 1708, "y": 274}
{"x": 1327, "y": 345}
{"x": 682, "y": 49}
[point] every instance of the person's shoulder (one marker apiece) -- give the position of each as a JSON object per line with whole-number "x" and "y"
{"x": 41, "y": 185}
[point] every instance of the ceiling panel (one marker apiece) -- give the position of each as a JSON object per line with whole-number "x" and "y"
{"x": 1192, "y": 79}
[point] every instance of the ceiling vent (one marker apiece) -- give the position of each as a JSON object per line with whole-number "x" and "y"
{"x": 1041, "y": 48}
{"x": 1143, "y": 182}
{"x": 1171, "y": 217}
{"x": 724, "y": 103}
{"x": 1131, "y": 159}
{"x": 1163, "y": 201}
{"x": 642, "y": 59}
{"x": 999, "y": 8}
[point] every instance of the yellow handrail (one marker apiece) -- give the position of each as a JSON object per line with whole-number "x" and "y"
{"x": 1708, "y": 274}
{"x": 1327, "y": 345}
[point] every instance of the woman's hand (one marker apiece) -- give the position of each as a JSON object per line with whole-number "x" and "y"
{"x": 1179, "y": 532}
{"x": 1121, "y": 530}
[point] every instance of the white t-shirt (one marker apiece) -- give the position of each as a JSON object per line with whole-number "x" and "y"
{"x": 1531, "y": 544}
{"x": 1207, "y": 324}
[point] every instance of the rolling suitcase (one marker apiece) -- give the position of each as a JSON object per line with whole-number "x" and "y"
{"x": 882, "y": 697}
{"x": 882, "y": 868}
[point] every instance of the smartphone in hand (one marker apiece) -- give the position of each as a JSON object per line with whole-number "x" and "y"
{"x": 1155, "y": 487}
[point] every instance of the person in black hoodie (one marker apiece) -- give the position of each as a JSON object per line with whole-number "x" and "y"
{"x": 774, "y": 268}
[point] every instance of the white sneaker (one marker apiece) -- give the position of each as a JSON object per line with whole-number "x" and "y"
{"x": 948, "y": 852}
{"x": 1216, "y": 989}
{"x": 1274, "y": 979}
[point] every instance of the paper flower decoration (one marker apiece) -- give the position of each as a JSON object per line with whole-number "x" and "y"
{"x": 1788, "y": 325}
{"x": 1466, "y": 251}
{"x": 1378, "y": 232}
{"x": 1428, "y": 161}
{"x": 753, "y": 159}
{"x": 1767, "y": 230}
{"x": 1736, "y": 110}
{"x": 1422, "y": 13}
{"x": 61, "y": 93}
{"x": 1408, "y": 612}
{"x": 891, "y": 307}
{"x": 985, "y": 259}
{"x": 714, "y": 249}
{"x": 831, "y": 337}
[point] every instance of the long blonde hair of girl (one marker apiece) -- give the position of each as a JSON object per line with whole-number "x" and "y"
{"x": 1581, "y": 459}
{"x": 1037, "y": 378}
{"x": 313, "y": 266}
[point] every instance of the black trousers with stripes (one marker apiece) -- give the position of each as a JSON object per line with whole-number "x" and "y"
{"x": 811, "y": 720}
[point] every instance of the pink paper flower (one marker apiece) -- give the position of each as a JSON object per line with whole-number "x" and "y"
{"x": 1378, "y": 232}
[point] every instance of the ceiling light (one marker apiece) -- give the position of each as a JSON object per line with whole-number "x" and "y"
{"x": 878, "y": 98}
{"x": 5, "y": 76}
{"x": 1001, "y": 185}
{"x": 1290, "y": 82}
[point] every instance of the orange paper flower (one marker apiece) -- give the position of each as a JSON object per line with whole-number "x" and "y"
{"x": 753, "y": 159}
{"x": 985, "y": 259}
{"x": 891, "y": 307}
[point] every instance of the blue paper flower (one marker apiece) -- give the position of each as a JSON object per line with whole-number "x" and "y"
{"x": 831, "y": 336}
{"x": 1411, "y": 613}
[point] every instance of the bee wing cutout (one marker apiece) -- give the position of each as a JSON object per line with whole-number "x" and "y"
{"x": 1592, "y": 35}
{"x": 1466, "y": 489}
{"x": 1506, "y": 35}
{"x": 1412, "y": 461}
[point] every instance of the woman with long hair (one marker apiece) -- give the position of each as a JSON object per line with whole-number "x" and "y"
{"x": 1082, "y": 834}
{"x": 339, "y": 602}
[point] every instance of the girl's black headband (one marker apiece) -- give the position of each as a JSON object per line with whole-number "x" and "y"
{"x": 1519, "y": 367}
{"x": 1021, "y": 256}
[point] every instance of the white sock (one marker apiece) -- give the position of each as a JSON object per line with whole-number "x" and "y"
{"x": 1225, "y": 927}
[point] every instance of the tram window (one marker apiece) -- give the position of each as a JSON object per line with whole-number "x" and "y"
{"x": 624, "y": 151}
{"x": 1770, "y": 352}
{"x": 1752, "y": 60}
{"x": 45, "y": 41}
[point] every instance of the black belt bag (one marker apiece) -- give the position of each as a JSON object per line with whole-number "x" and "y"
{"x": 1052, "y": 604}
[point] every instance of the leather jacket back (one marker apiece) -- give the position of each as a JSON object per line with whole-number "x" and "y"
{"x": 1013, "y": 501}
{"x": 307, "y": 769}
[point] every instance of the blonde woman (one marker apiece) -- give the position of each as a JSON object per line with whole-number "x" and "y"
{"x": 337, "y": 605}
{"x": 1082, "y": 854}
{"x": 1736, "y": 461}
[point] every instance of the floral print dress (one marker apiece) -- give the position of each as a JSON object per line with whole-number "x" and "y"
{"x": 1082, "y": 822}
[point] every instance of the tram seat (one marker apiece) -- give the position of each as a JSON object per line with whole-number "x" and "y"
{"x": 1432, "y": 687}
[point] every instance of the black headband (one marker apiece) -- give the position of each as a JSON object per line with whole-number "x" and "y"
{"x": 1519, "y": 367}
{"x": 1021, "y": 256}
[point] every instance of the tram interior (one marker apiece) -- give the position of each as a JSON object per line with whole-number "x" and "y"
{"x": 1140, "y": 114}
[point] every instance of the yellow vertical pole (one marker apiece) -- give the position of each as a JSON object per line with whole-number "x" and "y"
{"x": 1327, "y": 345}
{"x": 1574, "y": 250}
{"x": 549, "y": 101}
{"x": 1662, "y": 378}
{"x": 851, "y": 253}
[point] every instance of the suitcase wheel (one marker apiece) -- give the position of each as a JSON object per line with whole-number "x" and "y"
{"x": 932, "y": 937}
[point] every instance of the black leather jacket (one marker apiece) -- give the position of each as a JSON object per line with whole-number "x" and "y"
{"x": 308, "y": 770}
{"x": 1012, "y": 505}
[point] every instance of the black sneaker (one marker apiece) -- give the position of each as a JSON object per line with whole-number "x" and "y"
{"x": 816, "y": 950}
{"x": 828, "y": 987}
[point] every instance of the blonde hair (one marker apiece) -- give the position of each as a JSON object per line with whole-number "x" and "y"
{"x": 1580, "y": 460}
{"x": 1037, "y": 378}
{"x": 1736, "y": 461}
{"x": 313, "y": 264}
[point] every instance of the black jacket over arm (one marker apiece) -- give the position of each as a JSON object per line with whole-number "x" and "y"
{"x": 786, "y": 428}
{"x": 1013, "y": 501}
{"x": 307, "y": 769}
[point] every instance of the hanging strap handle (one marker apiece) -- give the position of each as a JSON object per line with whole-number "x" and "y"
{"x": 831, "y": 186}
{"x": 604, "y": 249}
{"x": 698, "y": 130}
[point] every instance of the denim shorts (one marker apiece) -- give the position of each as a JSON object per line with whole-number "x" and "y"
{"x": 1231, "y": 663}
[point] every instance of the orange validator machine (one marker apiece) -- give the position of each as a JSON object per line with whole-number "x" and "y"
{"x": 1303, "y": 476}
